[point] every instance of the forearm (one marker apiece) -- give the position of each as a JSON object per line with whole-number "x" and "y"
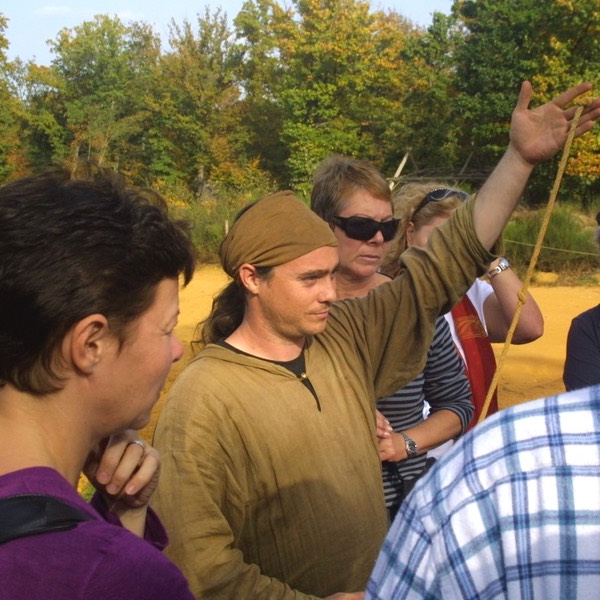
{"x": 438, "y": 428}
{"x": 499, "y": 195}
{"x": 430, "y": 433}
{"x": 145, "y": 523}
{"x": 133, "y": 519}
{"x": 500, "y": 308}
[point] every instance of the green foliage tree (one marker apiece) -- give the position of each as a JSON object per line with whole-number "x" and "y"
{"x": 433, "y": 133}
{"x": 200, "y": 111}
{"x": 96, "y": 91}
{"x": 332, "y": 74}
{"x": 258, "y": 70}
{"x": 196, "y": 88}
{"x": 13, "y": 159}
{"x": 344, "y": 83}
{"x": 553, "y": 43}
{"x": 46, "y": 131}
{"x": 239, "y": 110}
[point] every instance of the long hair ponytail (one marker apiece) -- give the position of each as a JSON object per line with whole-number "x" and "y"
{"x": 226, "y": 316}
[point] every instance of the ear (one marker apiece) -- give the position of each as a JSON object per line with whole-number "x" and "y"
{"x": 410, "y": 233}
{"x": 249, "y": 278}
{"x": 87, "y": 342}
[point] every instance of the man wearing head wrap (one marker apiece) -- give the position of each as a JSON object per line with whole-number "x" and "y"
{"x": 271, "y": 485}
{"x": 280, "y": 230}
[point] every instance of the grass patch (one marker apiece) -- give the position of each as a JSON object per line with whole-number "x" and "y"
{"x": 568, "y": 247}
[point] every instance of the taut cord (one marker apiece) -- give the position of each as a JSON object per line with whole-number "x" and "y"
{"x": 532, "y": 263}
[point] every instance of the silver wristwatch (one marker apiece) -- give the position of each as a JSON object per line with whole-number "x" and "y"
{"x": 411, "y": 446}
{"x": 502, "y": 265}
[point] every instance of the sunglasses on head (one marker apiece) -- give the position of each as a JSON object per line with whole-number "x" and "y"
{"x": 362, "y": 228}
{"x": 440, "y": 194}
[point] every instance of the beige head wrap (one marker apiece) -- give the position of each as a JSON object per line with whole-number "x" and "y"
{"x": 275, "y": 230}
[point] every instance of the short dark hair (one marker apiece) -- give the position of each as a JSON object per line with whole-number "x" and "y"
{"x": 70, "y": 248}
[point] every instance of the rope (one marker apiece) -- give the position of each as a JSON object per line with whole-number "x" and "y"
{"x": 534, "y": 257}
{"x": 553, "y": 248}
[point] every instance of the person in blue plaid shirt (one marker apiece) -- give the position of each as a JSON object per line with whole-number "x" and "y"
{"x": 512, "y": 511}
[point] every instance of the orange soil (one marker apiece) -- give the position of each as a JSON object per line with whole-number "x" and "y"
{"x": 529, "y": 371}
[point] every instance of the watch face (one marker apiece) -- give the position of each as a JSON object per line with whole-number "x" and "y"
{"x": 411, "y": 446}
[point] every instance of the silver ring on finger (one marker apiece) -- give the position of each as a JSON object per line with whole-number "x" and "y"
{"x": 140, "y": 443}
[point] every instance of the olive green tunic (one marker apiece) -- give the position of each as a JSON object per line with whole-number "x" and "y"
{"x": 270, "y": 493}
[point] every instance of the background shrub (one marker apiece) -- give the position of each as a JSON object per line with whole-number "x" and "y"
{"x": 568, "y": 244}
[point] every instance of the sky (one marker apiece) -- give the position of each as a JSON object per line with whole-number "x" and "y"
{"x": 32, "y": 22}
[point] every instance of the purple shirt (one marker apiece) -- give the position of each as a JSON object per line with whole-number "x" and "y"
{"x": 97, "y": 559}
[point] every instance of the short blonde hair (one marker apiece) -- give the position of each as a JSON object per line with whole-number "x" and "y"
{"x": 410, "y": 206}
{"x": 338, "y": 177}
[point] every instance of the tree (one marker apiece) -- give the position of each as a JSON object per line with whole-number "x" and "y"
{"x": 258, "y": 69}
{"x": 333, "y": 73}
{"x": 432, "y": 131}
{"x": 13, "y": 161}
{"x": 200, "y": 110}
{"x": 553, "y": 43}
{"x": 102, "y": 75}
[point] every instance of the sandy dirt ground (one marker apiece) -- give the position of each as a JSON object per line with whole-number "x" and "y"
{"x": 529, "y": 371}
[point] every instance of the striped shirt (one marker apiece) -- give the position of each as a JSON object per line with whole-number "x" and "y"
{"x": 445, "y": 386}
{"x": 512, "y": 511}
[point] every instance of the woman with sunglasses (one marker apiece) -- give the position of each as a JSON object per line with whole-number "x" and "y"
{"x": 355, "y": 199}
{"x": 486, "y": 311}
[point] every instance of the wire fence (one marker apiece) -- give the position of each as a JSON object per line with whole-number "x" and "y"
{"x": 579, "y": 252}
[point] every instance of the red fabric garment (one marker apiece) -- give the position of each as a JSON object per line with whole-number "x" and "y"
{"x": 480, "y": 359}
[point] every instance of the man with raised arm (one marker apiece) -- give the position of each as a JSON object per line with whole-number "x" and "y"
{"x": 271, "y": 483}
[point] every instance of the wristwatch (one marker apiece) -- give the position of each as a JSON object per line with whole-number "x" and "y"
{"x": 411, "y": 446}
{"x": 502, "y": 265}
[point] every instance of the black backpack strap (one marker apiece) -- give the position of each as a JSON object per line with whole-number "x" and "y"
{"x": 33, "y": 514}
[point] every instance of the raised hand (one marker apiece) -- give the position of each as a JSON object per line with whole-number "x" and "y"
{"x": 538, "y": 134}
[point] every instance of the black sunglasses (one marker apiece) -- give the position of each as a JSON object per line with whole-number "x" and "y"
{"x": 440, "y": 194}
{"x": 362, "y": 228}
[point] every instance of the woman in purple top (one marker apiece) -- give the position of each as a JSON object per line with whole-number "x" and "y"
{"x": 88, "y": 302}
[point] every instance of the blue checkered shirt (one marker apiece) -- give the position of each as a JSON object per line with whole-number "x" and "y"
{"x": 512, "y": 511}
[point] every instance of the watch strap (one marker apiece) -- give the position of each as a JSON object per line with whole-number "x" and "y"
{"x": 411, "y": 446}
{"x": 502, "y": 265}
